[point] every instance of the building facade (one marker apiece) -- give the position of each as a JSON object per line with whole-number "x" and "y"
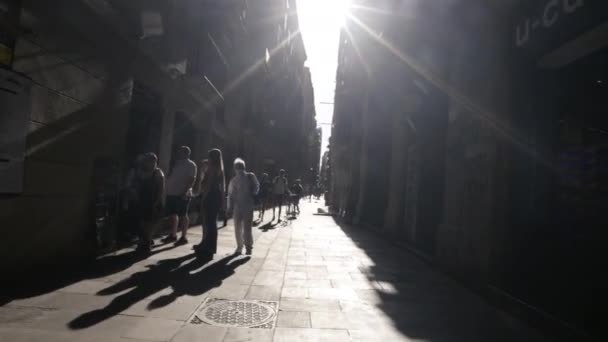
{"x": 271, "y": 106}
{"x": 471, "y": 131}
{"x": 92, "y": 84}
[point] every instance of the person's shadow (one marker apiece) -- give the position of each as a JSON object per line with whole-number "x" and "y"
{"x": 49, "y": 279}
{"x": 267, "y": 226}
{"x": 164, "y": 274}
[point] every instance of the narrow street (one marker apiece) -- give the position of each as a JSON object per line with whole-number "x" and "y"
{"x": 324, "y": 282}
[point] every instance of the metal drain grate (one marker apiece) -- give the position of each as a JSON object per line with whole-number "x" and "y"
{"x": 237, "y": 313}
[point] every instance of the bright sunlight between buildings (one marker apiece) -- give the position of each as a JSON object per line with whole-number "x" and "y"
{"x": 320, "y": 23}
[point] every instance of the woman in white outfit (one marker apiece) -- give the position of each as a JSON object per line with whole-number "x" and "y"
{"x": 241, "y": 194}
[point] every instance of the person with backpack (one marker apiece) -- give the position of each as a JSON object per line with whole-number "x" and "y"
{"x": 242, "y": 189}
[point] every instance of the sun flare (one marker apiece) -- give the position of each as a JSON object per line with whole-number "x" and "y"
{"x": 318, "y": 16}
{"x": 321, "y": 22}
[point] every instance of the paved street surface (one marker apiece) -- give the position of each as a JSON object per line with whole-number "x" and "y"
{"x": 329, "y": 284}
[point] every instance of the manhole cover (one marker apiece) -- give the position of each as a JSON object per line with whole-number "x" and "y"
{"x": 237, "y": 313}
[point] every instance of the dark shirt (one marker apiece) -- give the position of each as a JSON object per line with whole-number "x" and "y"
{"x": 297, "y": 190}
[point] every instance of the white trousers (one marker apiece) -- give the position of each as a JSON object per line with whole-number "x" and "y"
{"x": 243, "y": 221}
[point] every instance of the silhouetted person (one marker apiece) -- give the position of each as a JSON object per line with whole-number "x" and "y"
{"x": 179, "y": 195}
{"x": 196, "y": 203}
{"x": 150, "y": 182}
{"x": 213, "y": 189}
{"x": 297, "y": 191}
{"x": 279, "y": 191}
{"x": 241, "y": 201}
{"x": 264, "y": 194}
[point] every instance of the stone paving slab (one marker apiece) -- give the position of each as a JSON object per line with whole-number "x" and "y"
{"x": 332, "y": 283}
{"x": 294, "y": 319}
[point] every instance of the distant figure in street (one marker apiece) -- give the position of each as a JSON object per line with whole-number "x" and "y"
{"x": 263, "y": 196}
{"x": 318, "y": 191}
{"x": 242, "y": 190}
{"x": 179, "y": 194}
{"x": 279, "y": 192}
{"x": 150, "y": 182}
{"x": 296, "y": 192}
{"x": 213, "y": 189}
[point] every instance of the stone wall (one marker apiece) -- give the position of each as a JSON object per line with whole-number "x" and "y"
{"x": 79, "y": 107}
{"x": 474, "y": 201}
{"x": 83, "y": 66}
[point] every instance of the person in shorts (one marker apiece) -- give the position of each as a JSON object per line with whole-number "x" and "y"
{"x": 179, "y": 194}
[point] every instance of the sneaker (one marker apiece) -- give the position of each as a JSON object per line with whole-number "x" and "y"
{"x": 248, "y": 251}
{"x": 169, "y": 239}
{"x": 238, "y": 251}
{"x": 182, "y": 241}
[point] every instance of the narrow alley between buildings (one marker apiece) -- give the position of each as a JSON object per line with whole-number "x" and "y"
{"x": 308, "y": 279}
{"x": 457, "y": 149}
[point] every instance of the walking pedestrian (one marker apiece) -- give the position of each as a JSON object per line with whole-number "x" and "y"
{"x": 279, "y": 191}
{"x": 264, "y": 194}
{"x": 212, "y": 195}
{"x": 150, "y": 182}
{"x": 243, "y": 188}
{"x": 297, "y": 190}
{"x": 179, "y": 194}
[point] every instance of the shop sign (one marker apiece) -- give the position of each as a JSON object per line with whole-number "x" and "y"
{"x": 551, "y": 13}
{"x": 541, "y": 26}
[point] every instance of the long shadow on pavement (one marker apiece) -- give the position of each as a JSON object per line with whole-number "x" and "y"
{"x": 164, "y": 274}
{"x": 424, "y": 304}
{"x": 46, "y": 281}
